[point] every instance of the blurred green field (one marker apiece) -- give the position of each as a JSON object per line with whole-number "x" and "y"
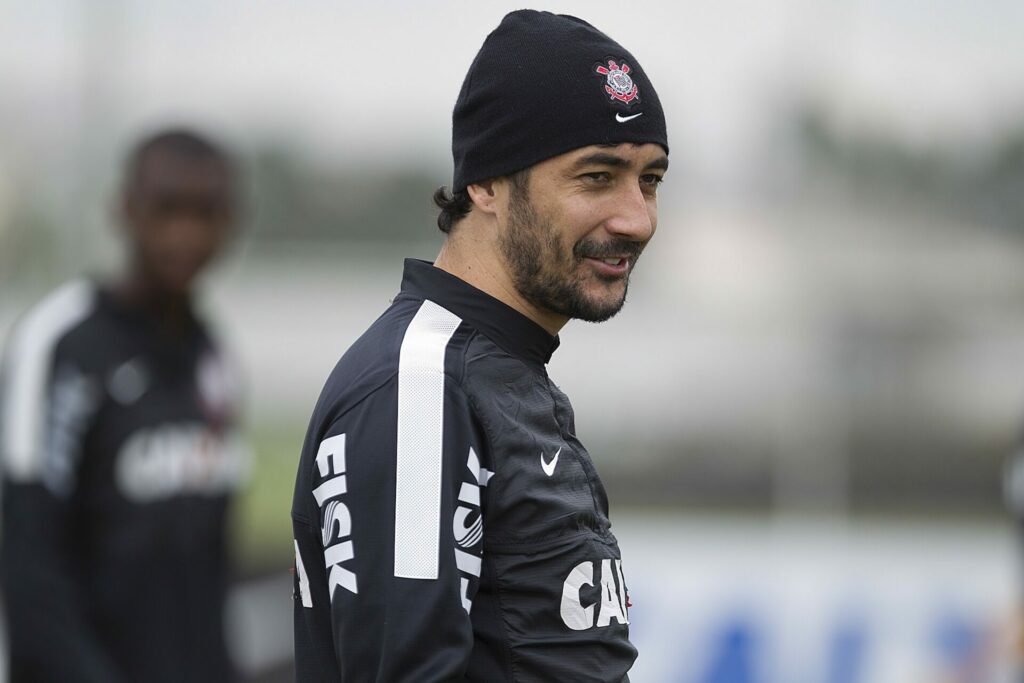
{"x": 261, "y": 520}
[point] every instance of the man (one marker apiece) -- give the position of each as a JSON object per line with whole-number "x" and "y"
{"x": 449, "y": 524}
{"x": 119, "y": 448}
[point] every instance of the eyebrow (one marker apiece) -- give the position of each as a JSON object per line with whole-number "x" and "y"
{"x": 606, "y": 159}
{"x": 601, "y": 159}
{"x": 661, "y": 163}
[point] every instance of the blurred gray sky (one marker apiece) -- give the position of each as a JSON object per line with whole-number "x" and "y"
{"x": 377, "y": 79}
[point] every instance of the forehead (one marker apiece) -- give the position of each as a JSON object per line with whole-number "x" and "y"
{"x": 168, "y": 171}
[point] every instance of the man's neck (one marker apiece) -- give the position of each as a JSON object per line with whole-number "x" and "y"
{"x": 476, "y": 260}
{"x": 171, "y": 309}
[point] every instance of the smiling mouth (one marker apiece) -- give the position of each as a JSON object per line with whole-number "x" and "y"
{"x": 609, "y": 266}
{"x": 611, "y": 260}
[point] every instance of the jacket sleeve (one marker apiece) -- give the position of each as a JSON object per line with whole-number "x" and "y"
{"x": 45, "y": 418}
{"x": 389, "y": 556}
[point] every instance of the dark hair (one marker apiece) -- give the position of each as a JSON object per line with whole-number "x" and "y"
{"x": 455, "y": 206}
{"x": 179, "y": 141}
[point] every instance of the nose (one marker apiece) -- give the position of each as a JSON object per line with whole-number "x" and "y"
{"x": 635, "y": 215}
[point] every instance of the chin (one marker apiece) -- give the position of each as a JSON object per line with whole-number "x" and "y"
{"x": 597, "y": 311}
{"x": 609, "y": 297}
{"x": 178, "y": 286}
{"x": 596, "y": 316}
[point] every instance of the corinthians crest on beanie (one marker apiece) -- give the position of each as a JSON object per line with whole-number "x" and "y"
{"x": 544, "y": 84}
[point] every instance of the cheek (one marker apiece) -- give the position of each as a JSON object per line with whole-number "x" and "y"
{"x": 175, "y": 244}
{"x": 194, "y": 236}
{"x": 152, "y": 237}
{"x": 578, "y": 222}
{"x": 209, "y": 238}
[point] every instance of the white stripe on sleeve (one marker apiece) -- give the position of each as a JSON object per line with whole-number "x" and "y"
{"x": 28, "y": 358}
{"x": 421, "y": 441}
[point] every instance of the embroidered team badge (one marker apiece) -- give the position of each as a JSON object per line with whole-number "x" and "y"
{"x": 619, "y": 85}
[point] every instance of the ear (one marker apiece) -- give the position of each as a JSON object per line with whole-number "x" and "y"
{"x": 484, "y": 196}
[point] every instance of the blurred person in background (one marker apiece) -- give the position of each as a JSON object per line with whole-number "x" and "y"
{"x": 119, "y": 446}
{"x": 449, "y": 524}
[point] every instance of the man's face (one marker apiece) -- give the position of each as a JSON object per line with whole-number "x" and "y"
{"x": 178, "y": 214}
{"x": 577, "y": 224}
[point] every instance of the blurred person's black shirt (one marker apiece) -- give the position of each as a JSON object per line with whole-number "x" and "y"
{"x": 119, "y": 458}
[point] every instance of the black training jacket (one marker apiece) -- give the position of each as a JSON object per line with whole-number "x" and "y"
{"x": 119, "y": 454}
{"x": 449, "y": 525}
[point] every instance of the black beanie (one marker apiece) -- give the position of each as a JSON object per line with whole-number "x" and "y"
{"x": 544, "y": 84}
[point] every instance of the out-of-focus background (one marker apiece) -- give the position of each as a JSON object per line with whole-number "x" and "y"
{"x": 803, "y": 414}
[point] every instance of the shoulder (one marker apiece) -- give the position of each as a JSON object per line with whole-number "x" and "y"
{"x": 414, "y": 336}
{"x": 46, "y": 336}
{"x": 60, "y": 321}
{"x": 411, "y": 358}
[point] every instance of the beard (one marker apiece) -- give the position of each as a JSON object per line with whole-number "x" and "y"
{"x": 550, "y": 276}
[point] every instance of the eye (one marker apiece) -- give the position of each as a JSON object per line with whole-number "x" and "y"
{"x": 597, "y": 177}
{"x": 649, "y": 183}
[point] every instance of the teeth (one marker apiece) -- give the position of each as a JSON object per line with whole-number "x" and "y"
{"x": 612, "y": 261}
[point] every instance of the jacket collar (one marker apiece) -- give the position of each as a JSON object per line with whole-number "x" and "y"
{"x": 509, "y": 329}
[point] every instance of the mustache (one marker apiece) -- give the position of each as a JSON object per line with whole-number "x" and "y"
{"x": 615, "y": 247}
